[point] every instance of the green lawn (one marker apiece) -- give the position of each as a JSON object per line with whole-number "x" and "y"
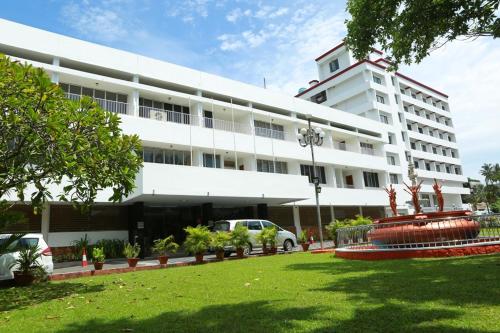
{"x": 286, "y": 293}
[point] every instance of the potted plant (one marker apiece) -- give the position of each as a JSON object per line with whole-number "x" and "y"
{"x": 98, "y": 255}
{"x": 164, "y": 246}
{"x": 219, "y": 240}
{"x": 304, "y": 241}
{"x": 263, "y": 238}
{"x": 27, "y": 267}
{"x": 131, "y": 252}
{"x": 240, "y": 238}
{"x": 197, "y": 241}
{"x": 273, "y": 238}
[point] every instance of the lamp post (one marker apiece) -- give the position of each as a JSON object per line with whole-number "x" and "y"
{"x": 313, "y": 137}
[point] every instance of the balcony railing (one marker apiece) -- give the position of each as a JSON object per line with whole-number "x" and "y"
{"x": 165, "y": 115}
{"x": 453, "y": 231}
{"x": 367, "y": 151}
{"x": 225, "y": 125}
{"x": 340, "y": 145}
{"x": 112, "y": 106}
{"x": 269, "y": 133}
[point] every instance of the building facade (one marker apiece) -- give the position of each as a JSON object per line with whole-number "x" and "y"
{"x": 215, "y": 148}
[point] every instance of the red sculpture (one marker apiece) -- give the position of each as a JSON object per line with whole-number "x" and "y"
{"x": 392, "y": 199}
{"x": 439, "y": 195}
{"x": 413, "y": 191}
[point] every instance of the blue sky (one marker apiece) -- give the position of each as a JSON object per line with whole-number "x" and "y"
{"x": 278, "y": 40}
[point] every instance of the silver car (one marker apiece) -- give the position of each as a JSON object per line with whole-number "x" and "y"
{"x": 286, "y": 239}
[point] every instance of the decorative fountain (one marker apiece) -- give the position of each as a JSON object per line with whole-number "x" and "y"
{"x": 432, "y": 234}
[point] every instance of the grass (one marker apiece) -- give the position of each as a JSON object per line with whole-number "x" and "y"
{"x": 286, "y": 293}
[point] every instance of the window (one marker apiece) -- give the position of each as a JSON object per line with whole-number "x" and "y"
{"x": 254, "y": 225}
{"x": 380, "y": 99}
{"x": 393, "y": 178}
{"x": 208, "y": 161}
{"x": 269, "y": 130}
{"x": 163, "y": 111}
{"x": 443, "y": 108}
{"x": 307, "y": 170}
{"x": 400, "y": 116}
{"x": 405, "y": 108}
{"x": 438, "y": 168}
{"x": 107, "y": 100}
{"x": 431, "y": 133}
{"x": 428, "y": 166}
{"x": 457, "y": 171}
{"x": 366, "y": 148}
{"x": 412, "y": 145}
{"x": 269, "y": 166}
{"x": 403, "y": 136}
{"x": 408, "y": 126}
{"x": 421, "y": 130}
{"x": 402, "y": 91}
{"x": 428, "y": 116}
{"x": 448, "y": 169}
{"x": 393, "y": 80}
{"x": 453, "y": 154}
{"x": 416, "y": 164}
{"x": 417, "y": 113}
{"x": 391, "y": 139}
{"x": 434, "y": 150}
{"x": 396, "y": 98}
{"x": 384, "y": 119}
{"x": 440, "y": 135}
{"x": 425, "y": 199}
{"x": 376, "y": 79}
{"x": 413, "y": 96}
{"x": 444, "y": 152}
{"x": 334, "y": 65}
{"x": 424, "y": 148}
{"x": 178, "y": 157}
{"x": 319, "y": 98}
{"x": 391, "y": 160}
{"x": 371, "y": 179}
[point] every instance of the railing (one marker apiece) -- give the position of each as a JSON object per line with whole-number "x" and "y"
{"x": 269, "y": 133}
{"x": 451, "y": 231}
{"x": 225, "y": 125}
{"x": 340, "y": 145}
{"x": 165, "y": 115}
{"x": 367, "y": 151}
{"x": 112, "y": 106}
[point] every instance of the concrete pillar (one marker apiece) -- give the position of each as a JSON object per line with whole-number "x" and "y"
{"x": 332, "y": 213}
{"x": 46, "y": 222}
{"x": 296, "y": 220}
{"x": 55, "y": 75}
{"x": 360, "y": 210}
{"x": 134, "y": 99}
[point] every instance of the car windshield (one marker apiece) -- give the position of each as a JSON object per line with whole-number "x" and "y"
{"x": 19, "y": 244}
{"x": 221, "y": 226}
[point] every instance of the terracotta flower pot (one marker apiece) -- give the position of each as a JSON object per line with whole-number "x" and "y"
{"x": 240, "y": 253}
{"x": 98, "y": 265}
{"x": 265, "y": 250}
{"x": 199, "y": 258}
{"x": 163, "y": 260}
{"x": 219, "y": 254}
{"x": 273, "y": 250}
{"x": 132, "y": 262}
{"x": 23, "y": 279}
{"x": 305, "y": 246}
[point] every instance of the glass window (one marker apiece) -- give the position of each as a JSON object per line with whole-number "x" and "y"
{"x": 307, "y": 170}
{"x": 380, "y": 99}
{"x": 208, "y": 161}
{"x": 77, "y": 90}
{"x": 148, "y": 155}
{"x": 424, "y": 148}
{"x": 394, "y": 179}
{"x": 178, "y": 157}
{"x": 268, "y": 224}
{"x": 99, "y": 94}
{"x": 393, "y": 80}
{"x": 110, "y": 96}
{"x": 391, "y": 160}
{"x": 221, "y": 226}
{"x": 376, "y": 79}
{"x": 242, "y": 223}
{"x": 159, "y": 158}
{"x": 122, "y": 98}
{"x": 169, "y": 157}
{"x": 428, "y": 166}
{"x": 384, "y": 119}
{"x": 421, "y": 130}
{"x": 157, "y": 105}
{"x": 87, "y": 92}
{"x": 254, "y": 225}
{"x": 64, "y": 87}
{"x": 334, "y": 65}
{"x": 371, "y": 179}
{"x": 438, "y": 168}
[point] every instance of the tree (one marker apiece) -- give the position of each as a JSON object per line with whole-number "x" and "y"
{"x": 46, "y": 140}
{"x": 491, "y": 176}
{"x": 409, "y": 29}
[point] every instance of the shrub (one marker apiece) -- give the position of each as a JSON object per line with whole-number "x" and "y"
{"x": 131, "y": 251}
{"x": 263, "y": 237}
{"x": 273, "y": 236}
{"x": 113, "y": 248}
{"x": 333, "y": 227}
{"x": 79, "y": 245}
{"x": 219, "y": 240}
{"x": 197, "y": 240}
{"x": 98, "y": 254}
{"x": 165, "y": 245}
{"x": 303, "y": 237}
{"x": 28, "y": 261}
{"x": 240, "y": 237}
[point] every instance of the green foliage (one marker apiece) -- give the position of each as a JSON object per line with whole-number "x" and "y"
{"x": 47, "y": 139}
{"x": 80, "y": 244}
{"x": 333, "y": 227}
{"x": 409, "y": 29}
{"x": 165, "y": 245}
{"x": 131, "y": 251}
{"x": 240, "y": 237}
{"x": 28, "y": 261}
{"x": 197, "y": 240}
{"x": 273, "y": 236}
{"x": 219, "y": 240}
{"x": 303, "y": 237}
{"x": 113, "y": 248}
{"x": 263, "y": 237}
{"x": 98, "y": 254}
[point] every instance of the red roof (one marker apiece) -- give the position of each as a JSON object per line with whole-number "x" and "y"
{"x": 339, "y": 46}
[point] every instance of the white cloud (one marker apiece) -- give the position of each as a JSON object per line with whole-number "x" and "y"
{"x": 101, "y": 23}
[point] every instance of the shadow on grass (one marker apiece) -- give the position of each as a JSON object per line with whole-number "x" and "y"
{"x": 259, "y": 316}
{"x": 16, "y": 297}
{"x": 455, "y": 281}
{"x": 269, "y": 317}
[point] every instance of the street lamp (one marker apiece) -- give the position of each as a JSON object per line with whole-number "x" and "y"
{"x": 313, "y": 137}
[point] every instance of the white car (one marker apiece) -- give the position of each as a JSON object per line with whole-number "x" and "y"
{"x": 285, "y": 239}
{"x": 7, "y": 259}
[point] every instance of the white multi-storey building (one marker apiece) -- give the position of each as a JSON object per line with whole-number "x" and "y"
{"x": 216, "y": 148}
{"x": 416, "y": 117}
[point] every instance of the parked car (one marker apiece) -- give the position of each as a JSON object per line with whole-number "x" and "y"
{"x": 286, "y": 239}
{"x": 7, "y": 259}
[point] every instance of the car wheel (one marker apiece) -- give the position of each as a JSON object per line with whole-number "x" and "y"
{"x": 288, "y": 245}
{"x": 247, "y": 250}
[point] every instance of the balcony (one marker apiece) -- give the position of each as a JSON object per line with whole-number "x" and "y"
{"x": 274, "y": 134}
{"x": 112, "y": 106}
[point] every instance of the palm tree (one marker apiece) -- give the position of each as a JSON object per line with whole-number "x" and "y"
{"x": 496, "y": 173}
{"x": 488, "y": 171}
